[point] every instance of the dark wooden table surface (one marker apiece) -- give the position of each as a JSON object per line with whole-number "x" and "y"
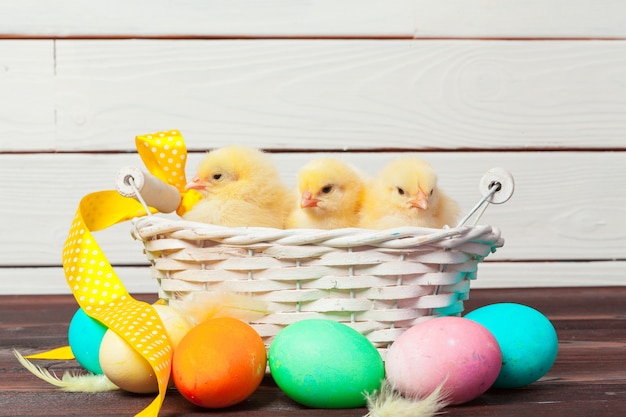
{"x": 588, "y": 378}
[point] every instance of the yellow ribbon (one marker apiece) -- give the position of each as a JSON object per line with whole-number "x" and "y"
{"x": 165, "y": 155}
{"x": 91, "y": 278}
{"x": 63, "y": 353}
{"x": 100, "y": 292}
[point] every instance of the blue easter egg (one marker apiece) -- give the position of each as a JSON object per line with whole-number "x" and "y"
{"x": 527, "y": 339}
{"x": 85, "y": 336}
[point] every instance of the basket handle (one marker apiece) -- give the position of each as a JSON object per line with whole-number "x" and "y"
{"x": 496, "y": 187}
{"x": 149, "y": 190}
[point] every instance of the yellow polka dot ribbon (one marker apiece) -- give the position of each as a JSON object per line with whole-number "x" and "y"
{"x": 91, "y": 278}
{"x": 165, "y": 155}
{"x": 100, "y": 292}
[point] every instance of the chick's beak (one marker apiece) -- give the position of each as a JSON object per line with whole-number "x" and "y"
{"x": 307, "y": 200}
{"x": 196, "y": 183}
{"x": 420, "y": 201}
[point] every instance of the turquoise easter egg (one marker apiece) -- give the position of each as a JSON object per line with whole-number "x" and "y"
{"x": 527, "y": 339}
{"x": 85, "y": 336}
{"x": 325, "y": 364}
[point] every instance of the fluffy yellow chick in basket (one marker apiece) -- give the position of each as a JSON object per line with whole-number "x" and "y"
{"x": 240, "y": 187}
{"x": 329, "y": 195}
{"x": 405, "y": 193}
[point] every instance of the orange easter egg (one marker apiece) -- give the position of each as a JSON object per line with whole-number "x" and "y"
{"x": 219, "y": 363}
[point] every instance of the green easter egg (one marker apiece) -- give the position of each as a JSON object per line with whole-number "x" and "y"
{"x": 325, "y": 364}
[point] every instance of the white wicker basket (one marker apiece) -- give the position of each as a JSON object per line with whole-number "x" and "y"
{"x": 378, "y": 282}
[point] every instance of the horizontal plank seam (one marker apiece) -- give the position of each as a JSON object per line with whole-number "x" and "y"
{"x": 338, "y": 150}
{"x": 307, "y": 37}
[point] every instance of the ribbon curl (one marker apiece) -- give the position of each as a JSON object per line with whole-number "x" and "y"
{"x": 91, "y": 278}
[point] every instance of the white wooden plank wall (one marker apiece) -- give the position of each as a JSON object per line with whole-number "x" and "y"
{"x": 534, "y": 86}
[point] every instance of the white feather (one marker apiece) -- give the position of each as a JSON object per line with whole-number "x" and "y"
{"x": 387, "y": 402}
{"x": 70, "y": 381}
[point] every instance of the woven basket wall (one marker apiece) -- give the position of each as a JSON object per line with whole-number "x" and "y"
{"x": 378, "y": 282}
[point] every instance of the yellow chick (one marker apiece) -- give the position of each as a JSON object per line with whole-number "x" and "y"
{"x": 240, "y": 187}
{"x": 405, "y": 193}
{"x": 329, "y": 196}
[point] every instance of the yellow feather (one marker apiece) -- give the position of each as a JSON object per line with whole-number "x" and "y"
{"x": 200, "y": 306}
{"x": 387, "y": 402}
{"x": 72, "y": 382}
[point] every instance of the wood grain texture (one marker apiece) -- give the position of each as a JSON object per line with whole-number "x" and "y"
{"x": 474, "y": 83}
{"x": 587, "y": 379}
{"x": 27, "y": 94}
{"x": 550, "y": 274}
{"x": 341, "y": 94}
{"x": 208, "y": 18}
{"x": 561, "y": 210}
{"x": 511, "y": 19}
{"x": 320, "y": 18}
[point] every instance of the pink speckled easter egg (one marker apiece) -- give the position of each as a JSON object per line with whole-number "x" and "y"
{"x": 463, "y": 351}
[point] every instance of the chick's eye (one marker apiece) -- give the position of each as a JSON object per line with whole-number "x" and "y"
{"x": 431, "y": 192}
{"x": 400, "y": 190}
{"x": 327, "y": 189}
{"x": 217, "y": 176}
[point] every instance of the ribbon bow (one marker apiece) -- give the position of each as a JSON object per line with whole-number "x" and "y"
{"x": 91, "y": 278}
{"x": 164, "y": 155}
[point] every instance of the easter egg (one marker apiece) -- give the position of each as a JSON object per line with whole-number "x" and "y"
{"x": 85, "y": 337}
{"x": 125, "y": 367}
{"x": 176, "y": 324}
{"x": 325, "y": 364}
{"x": 527, "y": 339}
{"x": 458, "y": 351}
{"x": 219, "y": 363}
